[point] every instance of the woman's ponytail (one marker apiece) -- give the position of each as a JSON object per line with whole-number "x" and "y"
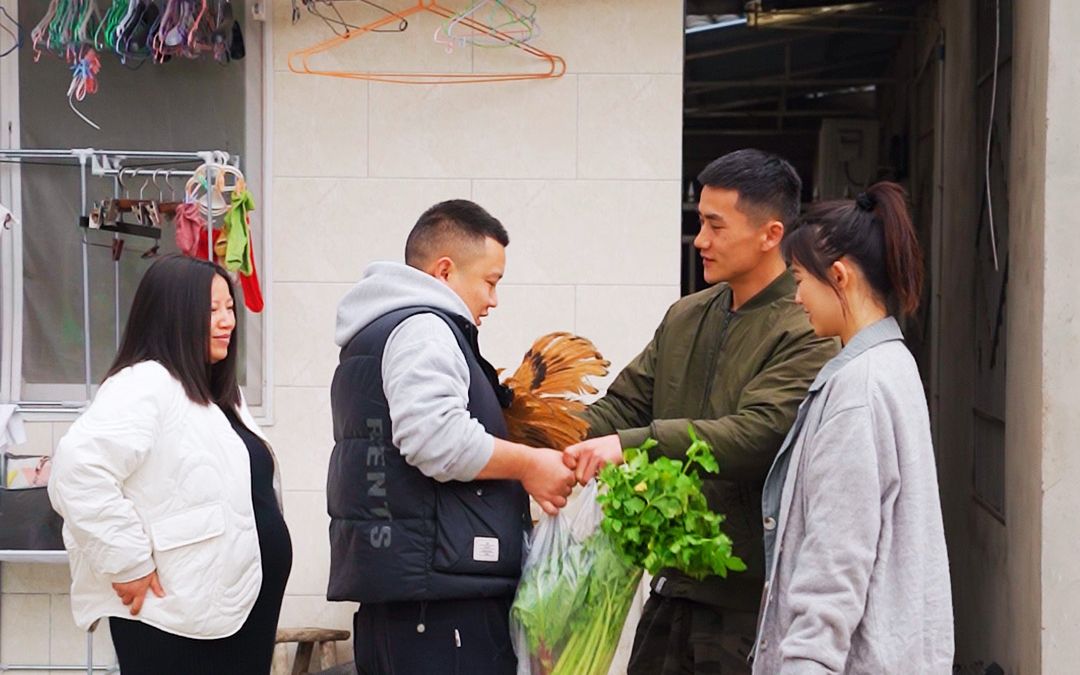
{"x": 903, "y": 255}
{"x": 875, "y": 231}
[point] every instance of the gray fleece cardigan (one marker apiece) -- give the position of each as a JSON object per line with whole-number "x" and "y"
{"x": 857, "y": 571}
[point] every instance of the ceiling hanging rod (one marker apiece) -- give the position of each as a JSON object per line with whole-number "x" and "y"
{"x": 76, "y": 153}
{"x": 161, "y": 173}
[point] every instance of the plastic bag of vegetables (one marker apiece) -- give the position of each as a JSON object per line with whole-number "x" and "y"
{"x": 574, "y": 594}
{"x": 585, "y": 564}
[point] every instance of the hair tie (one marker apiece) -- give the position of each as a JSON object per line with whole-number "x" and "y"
{"x": 866, "y": 201}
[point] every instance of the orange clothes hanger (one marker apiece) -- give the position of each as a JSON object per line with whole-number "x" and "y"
{"x": 298, "y": 60}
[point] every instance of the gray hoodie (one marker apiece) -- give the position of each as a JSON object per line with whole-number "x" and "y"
{"x": 425, "y": 375}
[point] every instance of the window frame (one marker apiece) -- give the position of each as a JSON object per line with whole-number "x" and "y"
{"x": 65, "y": 401}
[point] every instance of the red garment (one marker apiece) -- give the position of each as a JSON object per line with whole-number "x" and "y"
{"x": 199, "y": 250}
{"x": 249, "y": 283}
{"x": 190, "y": 228}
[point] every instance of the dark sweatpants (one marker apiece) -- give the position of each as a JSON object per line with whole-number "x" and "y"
{"x": 445, "y": 637}
{"x": 678, "y": 636}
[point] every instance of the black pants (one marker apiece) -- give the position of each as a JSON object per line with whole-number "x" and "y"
{"x": 444, "y": 637}
{"x": 677, "y": 636}
{"x": 142, "y": 649}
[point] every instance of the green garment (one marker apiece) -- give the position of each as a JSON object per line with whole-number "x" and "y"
{"x": 237, "y": 236}
{"x": 738, "y": 377}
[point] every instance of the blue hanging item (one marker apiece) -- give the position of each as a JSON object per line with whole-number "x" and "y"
{"x": 17, "y": 33}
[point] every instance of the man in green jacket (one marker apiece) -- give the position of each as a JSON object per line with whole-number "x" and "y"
{"x": 734, "y": 361}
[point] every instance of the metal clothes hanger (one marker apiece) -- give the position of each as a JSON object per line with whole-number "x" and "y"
{"x": 337, "y": 23}
{"x": 200, "y": 37}
{"x": 521, "y": 26}
{"x": 41, "y": 30}
{"x": 299, "y": 60}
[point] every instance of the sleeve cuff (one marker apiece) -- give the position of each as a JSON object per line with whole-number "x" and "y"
{"x": 633, "y": 438}
{"x": 136, "y": 572}
{"x": 474, "y": 462}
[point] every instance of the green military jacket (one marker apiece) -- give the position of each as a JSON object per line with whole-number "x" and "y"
{"x": 738, "y": 377}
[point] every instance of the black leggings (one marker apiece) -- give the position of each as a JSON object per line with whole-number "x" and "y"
{"x": 460, "y": 637}
{"x": 142, "y": 649}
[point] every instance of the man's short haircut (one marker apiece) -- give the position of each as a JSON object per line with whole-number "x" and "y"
{"x": 447, "y": 228}
{"x": 769, "y": 187}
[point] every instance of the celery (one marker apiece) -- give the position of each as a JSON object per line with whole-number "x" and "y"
{"x": 574, "y": 598}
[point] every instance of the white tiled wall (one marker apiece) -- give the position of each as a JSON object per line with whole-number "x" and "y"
{"x": 36, "y": 627}
{"x": 584, "y": 171}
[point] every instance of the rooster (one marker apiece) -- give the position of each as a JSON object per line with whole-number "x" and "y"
{"x": 545, "y": 410}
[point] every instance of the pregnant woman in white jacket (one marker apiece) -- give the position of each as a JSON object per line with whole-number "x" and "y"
{"x": 169, "y": 493}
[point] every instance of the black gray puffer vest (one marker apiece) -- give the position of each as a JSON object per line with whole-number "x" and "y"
{"x": 395, "y": 534}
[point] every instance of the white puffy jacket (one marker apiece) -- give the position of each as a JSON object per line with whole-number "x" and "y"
{"x": 147, "y": 479}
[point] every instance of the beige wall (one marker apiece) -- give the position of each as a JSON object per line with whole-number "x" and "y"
{"x": 1027, "y": 322}
{"x": 1060, "y": 467}
{"x": 584, "y": 171}
{"x": 1025, "y": 400}
{"x": 1039, "y": 574}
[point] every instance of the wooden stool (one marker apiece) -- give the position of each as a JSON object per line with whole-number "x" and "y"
{"x": 306, "y": 639}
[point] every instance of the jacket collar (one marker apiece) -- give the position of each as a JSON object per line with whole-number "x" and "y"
{"x": 873, "y": 335}
{"x": 781, "y": 287}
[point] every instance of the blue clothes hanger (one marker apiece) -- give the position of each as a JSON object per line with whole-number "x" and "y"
{"x": 17, "y": 33}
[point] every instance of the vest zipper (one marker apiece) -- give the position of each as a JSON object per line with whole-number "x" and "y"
{"x": 457, "y": 652}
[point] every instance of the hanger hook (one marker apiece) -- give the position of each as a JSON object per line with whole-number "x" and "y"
{"x": 144, "y": 186}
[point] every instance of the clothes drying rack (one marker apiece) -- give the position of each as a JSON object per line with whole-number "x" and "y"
{"x": 111, "y": 163}
{"x": 102, "y": 163}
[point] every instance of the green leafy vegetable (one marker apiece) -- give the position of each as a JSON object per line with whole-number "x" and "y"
{"x": 656, "y": 515}
{"x": 575, "y": 594}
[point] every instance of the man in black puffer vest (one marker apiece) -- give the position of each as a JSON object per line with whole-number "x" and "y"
{"x": 429, "y": 506}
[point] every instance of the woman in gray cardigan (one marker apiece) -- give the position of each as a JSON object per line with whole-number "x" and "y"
{"x": 857, "y": 572}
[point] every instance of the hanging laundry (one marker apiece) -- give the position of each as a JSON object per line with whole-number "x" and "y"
{"x": 238, "y": 236}
{"x": 238, "y": 254}
{"x": 190, "y": 225}
{"x": 200, "y": 247}
{"x": 221, "y": 244}
{"x": 249, "y": 284}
